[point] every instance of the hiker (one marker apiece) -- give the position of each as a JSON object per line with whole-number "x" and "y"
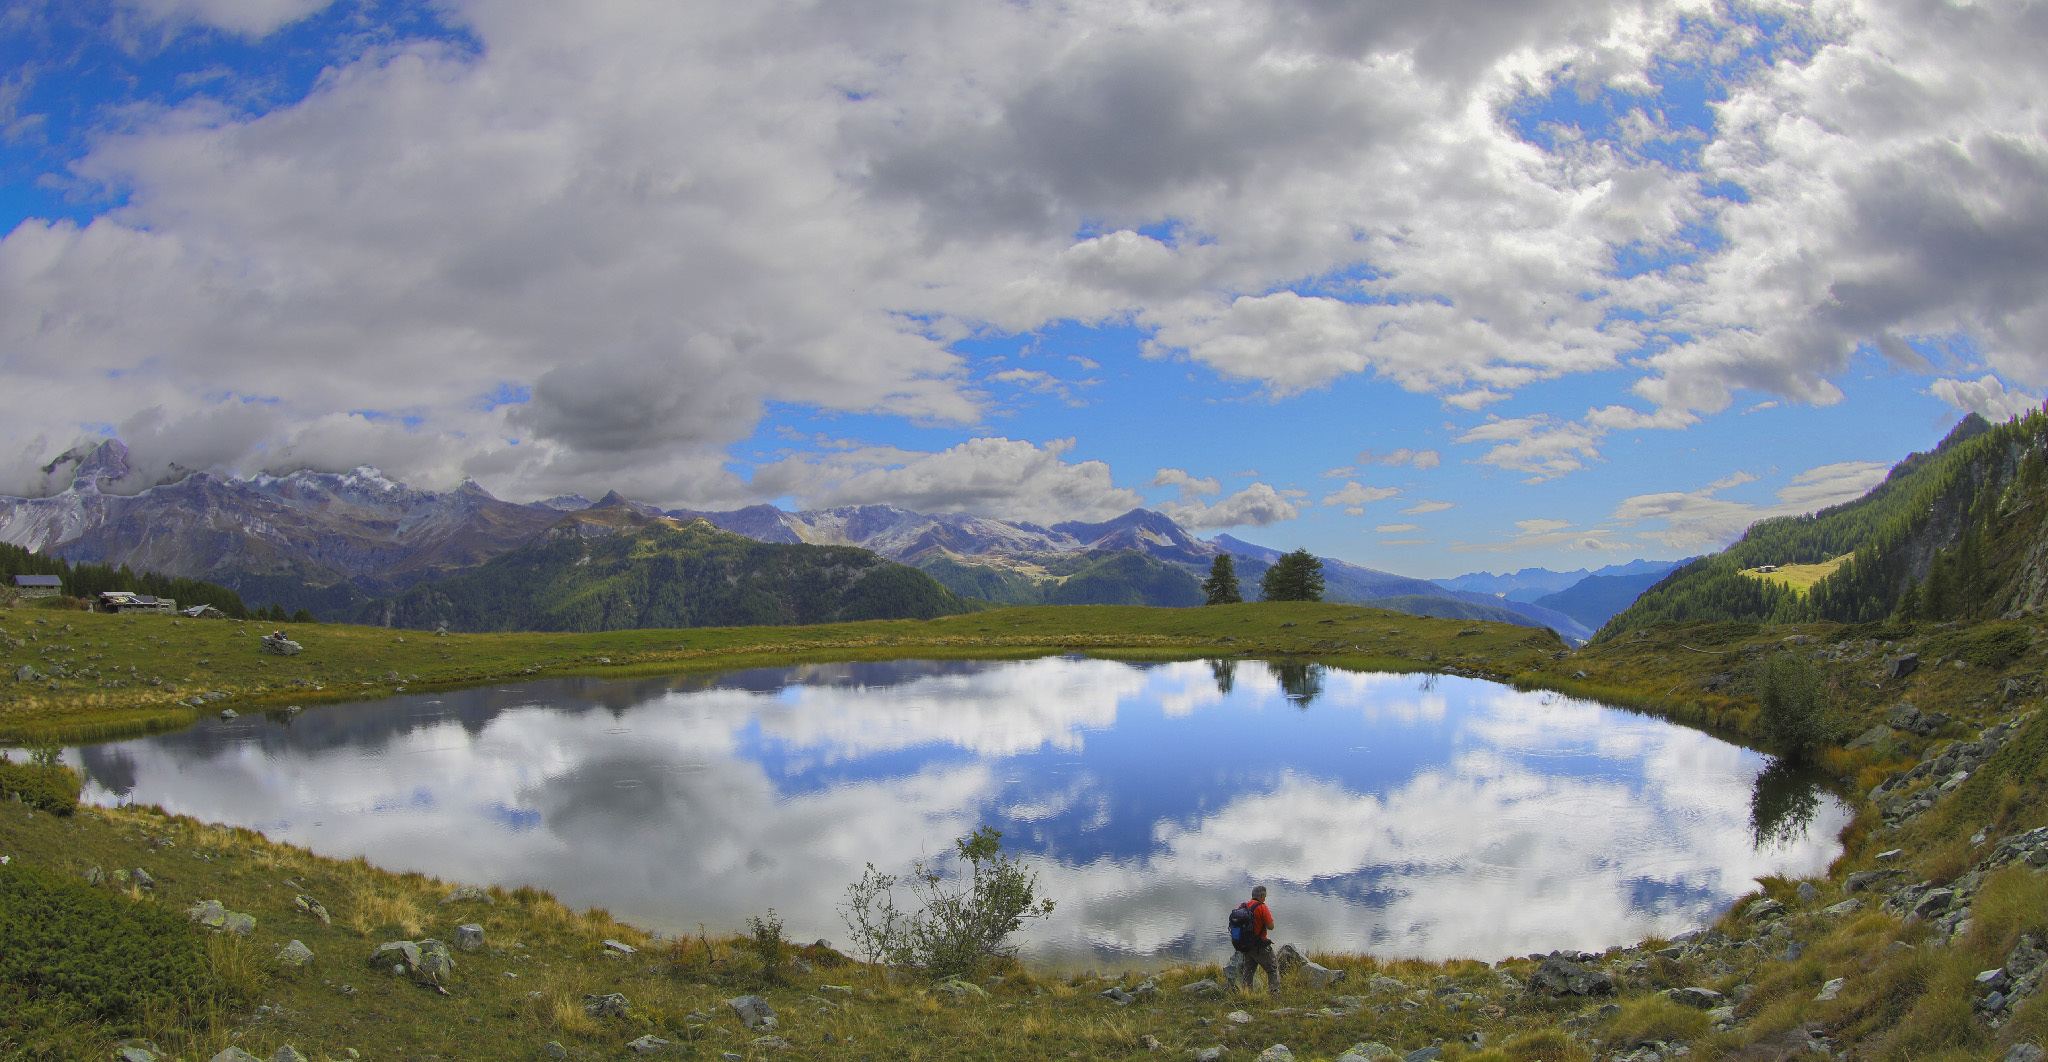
{"x": 1258, "y": 947}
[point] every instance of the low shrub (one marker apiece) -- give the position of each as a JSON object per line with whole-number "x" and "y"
{"x": 52, "y": 788}
{"x": 99, "y": 955}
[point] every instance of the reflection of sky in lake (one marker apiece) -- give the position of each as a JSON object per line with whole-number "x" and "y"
{"x": 1397, "y": 814}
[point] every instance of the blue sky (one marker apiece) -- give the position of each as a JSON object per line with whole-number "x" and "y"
{"x": 1429, "y": 289}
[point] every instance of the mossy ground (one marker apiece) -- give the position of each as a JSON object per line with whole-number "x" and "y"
{"x": 1899, "y": 1003}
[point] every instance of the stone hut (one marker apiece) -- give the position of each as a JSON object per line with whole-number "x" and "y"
{"x": 27, "y": 587}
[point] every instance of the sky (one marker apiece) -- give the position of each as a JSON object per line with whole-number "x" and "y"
{"x": 1433, "y": 287}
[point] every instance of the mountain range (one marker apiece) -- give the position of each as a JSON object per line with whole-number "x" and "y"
{"x": 346, "y": 544}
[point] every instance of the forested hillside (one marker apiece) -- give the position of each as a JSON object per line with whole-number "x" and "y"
{"x": 89, "y": 580}
{"x": 617, "y": 569}
{"x": 1955, "y": 534}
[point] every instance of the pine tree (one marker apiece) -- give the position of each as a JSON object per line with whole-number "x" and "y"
{"x": 1296, "y": 577}
{"x": 1220, "y": 587}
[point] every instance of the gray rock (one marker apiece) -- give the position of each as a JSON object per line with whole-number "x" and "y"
{"x": 1208, "y": 1054}
{"x": 753, "y": 1011}
{"x": 288, "y": 1053}
{"x": 1423, "y": 1054}
{"x": 295, "y": 955}
{"x": 1204, "y": 987}
{"x": 240, "y": 924}
{"x": 608, "y": 1005}
{"x": 1320, "y": 977}
{"x": 1935, "y": 902}
{"x": 1807, "y": 893}
{"x": 135, "y": 1054}
{"x": 435, "y": 965}
{"x": 469, "y": 937}
{"x": 1762, "y": 909}
{"x": 467, "y": 893}
{"x": 648, "y": 1045}
{"x": 1289, "y": 958}
{"x": 1872, "y": 736}
{"x": 1864, "y": 879}
{"x": 619, "y": 947}
{"x": 769, "y": 1043}
{"x": 1276, "y": 1053}
{"x": 395, "y": 951}
{"x": 1238, "y": 1017}
{"x": 280, "y": 646}
{"x": 1698, "y": 998}
{"x": 1366, "y": 1051}
{"x": 143, "y": 879}
{"x": 95, "y": 876}
{"x": 960, "y": 990}
{"x": 1901, "y": 666}
{"x": 1846, "y": 907}
{"x": 1559, "y": 977}
{"x": 1116, "y": 995}
{"x": 313, "y": 907}
{"x": 554, "y": 1049}
{"x": 1992, "y": 981}
{"x": 1830, "y": 990}
{"x": 230, "y": 713}
{"x": 234, "y": 1054}
{"x": 2025, "y": 1053}
{"x": 208, "y": 913}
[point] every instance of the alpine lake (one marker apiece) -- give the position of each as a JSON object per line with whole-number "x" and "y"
{"x": 1400, "y": 815}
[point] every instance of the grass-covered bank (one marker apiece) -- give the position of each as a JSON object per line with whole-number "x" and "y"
{"x": 91, "y": 676}
{"x": 1908, "y": 966}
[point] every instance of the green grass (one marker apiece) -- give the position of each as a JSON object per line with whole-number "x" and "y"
{"x": 127, "y": 674}
{"x": 1800, "y": 577}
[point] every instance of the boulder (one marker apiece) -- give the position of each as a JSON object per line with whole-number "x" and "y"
{"x": 2025, "y": 1053}
{"x": 1829, "y": 991}
{"x": 1276, "y": 1053}
{"x": 1559, "y": 977}
{"x": 1423, "y": 1054}
{"x": 240, "y": 924}
{"x": 234, "y": 1054}
{"x": 295, "y": 955}
{"x": 143, "y": 879}
{"x": 1696, "y": 998}
{"x": 647, "y": 1045}
{"x": 288, "y": 1053}
{"x": 959, "y": 990}
{"x": 396, "y": 952}
{"x": 1872, "y": 736}
{"x": 1207, "y": 1054}
{"x": 466, "y": 893}
{"x": 1238, "y": 1017}
{"x": 754, "y": 1012}
{"x": 608, "y": 1005}
{"x": 1934, "y": 902}
{"x": 312, "y": 907}
{"x": 1902, "y": 666}
{"x": 1116, "y": 994}
{"x": 1807, "y": 893}
{"x": 1764, "y": 908}
{"x": 615, "y": 947}
{"x": 208, "y": 913}
{"x": 1320, "y": 977}
{"x": 279, "y": 645}
{"x": 1290, "y": 959}
{"x": 1204, "y": 987}
{"x": 435, "y": 965}
{"x": 469, "y": 937}
{"x": 95, "y": 876}
{"x": 1366, "y": 1051}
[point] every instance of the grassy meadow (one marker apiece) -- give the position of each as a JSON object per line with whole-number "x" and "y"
{"x": 1902, "y": 996}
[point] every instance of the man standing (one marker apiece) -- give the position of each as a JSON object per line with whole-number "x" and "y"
{"x": 1258, "y": 955}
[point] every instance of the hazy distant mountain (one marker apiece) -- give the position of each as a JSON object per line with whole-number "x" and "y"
{"x": 1596, "y": 598}
{"x": 614, "y": 567}
{"x": 1544, "y": 581}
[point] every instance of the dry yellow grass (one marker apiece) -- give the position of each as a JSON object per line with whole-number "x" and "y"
{"x": 1800, "y": 577}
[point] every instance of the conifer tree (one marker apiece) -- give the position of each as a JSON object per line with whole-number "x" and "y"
{"x": 1297, "y": 576}
{"x": 1220, "y": 588}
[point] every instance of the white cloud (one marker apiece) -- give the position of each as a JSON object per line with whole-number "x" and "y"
{"x": 1987, "y": 396}
{"x": 1255, "y": 506}
{"x": 1540, "y": 527}
{"x": 1355, "y": 494}
{"x": 1428, "y": 507}
{"x": 1395, "y": 529}
{"x": 250, "y": 18}
{"x": 1190, "y": 486}
{"x": 1421, "y": 459}
{"x": 1542, "y": 446}
{"x": 1699, "y": 519}
{"x": 998, "y": 477}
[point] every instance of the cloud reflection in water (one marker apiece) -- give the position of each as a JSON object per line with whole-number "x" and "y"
{"x": 1430, "y": 818}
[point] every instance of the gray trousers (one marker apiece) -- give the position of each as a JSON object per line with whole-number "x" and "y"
{"x": 1262, "y": 958}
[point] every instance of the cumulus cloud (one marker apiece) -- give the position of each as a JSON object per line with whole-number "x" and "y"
{"x": 1987, "y": 396}
{"x": 998, "y": 477}
{"x": 1255, "y": 506}
{"x": 1356, "y": 494}
{"x": 1701, "y": 519}
{"x": 653, "y": 223}
{"x": 1190, "y": 486}
{"x": 1542, "y": 446}
{"x": 1420, "y": 508}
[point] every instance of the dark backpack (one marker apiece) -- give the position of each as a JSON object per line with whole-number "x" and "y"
{"x": 1244, "y": 927}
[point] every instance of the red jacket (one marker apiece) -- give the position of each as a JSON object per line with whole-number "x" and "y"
{"x": 1262, "y": 918}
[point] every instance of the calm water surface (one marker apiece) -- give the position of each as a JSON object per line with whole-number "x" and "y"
{"x": 1403, "y": 815}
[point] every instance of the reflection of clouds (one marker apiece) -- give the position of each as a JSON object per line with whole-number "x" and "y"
{"x": 1544, "y": 822}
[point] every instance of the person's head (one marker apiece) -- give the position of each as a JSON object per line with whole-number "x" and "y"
{"x": 1258, "y": 892}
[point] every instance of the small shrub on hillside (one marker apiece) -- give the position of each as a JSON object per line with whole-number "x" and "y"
{"x": 1795, "y": 719}
{"x": 765, "y": 940}
{"x": 52, "y": 788}
{"x": 960, "y": 927}
{"x": 99, "y": 955}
